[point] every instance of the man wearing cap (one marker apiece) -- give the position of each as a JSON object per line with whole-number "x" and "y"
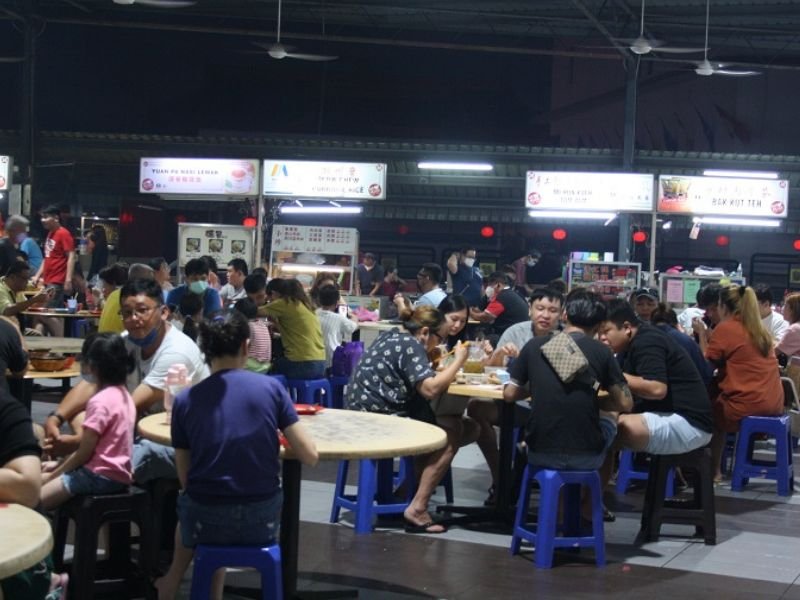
{"x": 369, "y": 277}
{"x": 644, "y": 301}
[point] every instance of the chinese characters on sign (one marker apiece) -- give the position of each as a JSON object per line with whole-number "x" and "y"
{"x": 198, "y": 176}
{"x": 723, "y": 196}
{"x": 326, "y": 240}
{"x": 307, "y": 179}
{"x": 557, "y": 190}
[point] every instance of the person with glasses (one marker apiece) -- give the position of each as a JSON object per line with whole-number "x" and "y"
{"x": 12, "y": 302}
{"x": 428, "y": 284}
{"x": 156, "y": 346}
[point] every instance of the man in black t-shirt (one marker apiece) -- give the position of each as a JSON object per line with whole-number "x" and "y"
{"x": 672, "y": 404}
{"x": 505, "y": 307}
{"x": 568, "y": 427}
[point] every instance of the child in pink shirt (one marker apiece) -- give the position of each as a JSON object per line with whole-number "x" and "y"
{"x": 102, "y": 462}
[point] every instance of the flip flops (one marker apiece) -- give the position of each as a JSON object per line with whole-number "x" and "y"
{"x": 424, "y": 527}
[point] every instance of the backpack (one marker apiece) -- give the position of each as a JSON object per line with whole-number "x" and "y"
{"x": 345, "y": 358}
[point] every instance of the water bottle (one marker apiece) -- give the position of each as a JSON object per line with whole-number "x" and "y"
{"x": 739, "y": 271}
{"x": 177, "y": 379}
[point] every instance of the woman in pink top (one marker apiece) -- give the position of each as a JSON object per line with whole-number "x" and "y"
{"x": 102, "y": 462}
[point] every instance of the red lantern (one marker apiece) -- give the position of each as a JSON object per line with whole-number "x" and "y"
{"x": 796, "y": 244}
{"x": 180, "y": 218}
{"x": 249, "y": 222}
{"x": 559, "y": 234}
{"x": 640, "y": 237}
{"x": 126, "y": 218}
{"x": 722, "y": 240}
{"x": 487, "y": 231}
{"x": 403, "y": 229}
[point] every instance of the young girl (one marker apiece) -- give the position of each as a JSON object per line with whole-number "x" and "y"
{"x": 191, "y": 310}
{"x": 102, "y": 462}
{"x": 259, "y": 353}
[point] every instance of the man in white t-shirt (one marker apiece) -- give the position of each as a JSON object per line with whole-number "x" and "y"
{"x": 156, "y": 345}
{"x": 773, "y": 321}
{"x": 234, "y": 289}
{"x": 336, "y": 327}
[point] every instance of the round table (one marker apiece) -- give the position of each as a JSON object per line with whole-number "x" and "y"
{"x": 338, "y": 435}
{"x": 25, "y": 538}
{"x": 63, "y": 345}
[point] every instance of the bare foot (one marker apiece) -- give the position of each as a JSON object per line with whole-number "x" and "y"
{"x": 421, "y": 523}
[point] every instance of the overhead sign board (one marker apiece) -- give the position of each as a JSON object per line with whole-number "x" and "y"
{"x": 333, "y": 180}
{"x": 5, "y": 173}
{"x": 199, "y": 176}
{"x": 581, "y": 192}
{"x": 730, "y": 197}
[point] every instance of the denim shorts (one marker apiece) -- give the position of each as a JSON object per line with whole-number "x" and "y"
{"x": 82, "y": 482}
{"x": 250, "y": 524}
{"x": 304, "y": 369}
{"x": 152, "y": 461}
{"x": 578, "y": 462}
{"x": 670, "y": 433}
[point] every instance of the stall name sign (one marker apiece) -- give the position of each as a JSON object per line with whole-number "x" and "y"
{"x": 723, "y": 196}
{"x": 324, "y": 240}
{"x": 569, "y": 191}
{"x": 308, "y": 179}
{"x": 5, "y": 173}
{"x": 201, "y": 176}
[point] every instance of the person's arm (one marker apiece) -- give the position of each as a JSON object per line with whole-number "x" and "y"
{"x": 498, "y": 357}
{"x": 375, "y": 288}
{"x": 452, "y": 263}
{"x": 70, "y": 272}
{"x": 302, "y": 444}
{"x": 144, "y": 396}
{"x": 702, "y": 333}
{"x": 183, "y": 459}
{"x": 619, "y": 399}
{"x": 431, "y": 387}
{"x": 484, "y": 316}
{"x": 73, "y": 404}
{"x": 21, "y": 480}
{"x": 78, "y": 458}
{"x": 647, "y": 389}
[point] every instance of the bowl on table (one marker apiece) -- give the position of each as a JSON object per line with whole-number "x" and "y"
{"x": 51, "y": 362}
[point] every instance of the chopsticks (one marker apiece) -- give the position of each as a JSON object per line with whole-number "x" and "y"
{"x": 465, "y": 344}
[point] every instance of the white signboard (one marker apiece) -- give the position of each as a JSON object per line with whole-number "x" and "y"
{"x": 5, "y": 173}
{"x": 559, "y": 190}
{"x": 223, "y": 177}
{"x": 307, "y": 179}
{"x": 726, "y": 196}
{"x": 221, "y": 242}
{"x": 322, "y": 240}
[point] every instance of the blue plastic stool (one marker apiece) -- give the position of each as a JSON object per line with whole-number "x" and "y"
{"x": 282, "y": 379}
{"x": 337, "y": 383}
{"x": 374, "y": 495}
{"x": 267, "y": 560}
{"x": 781, "y": 469}
{"x": 310, "y": 391}
{"x": 406, "y": 469}
{"x": 627, "y": 472}
{"x": 544, "y": 537}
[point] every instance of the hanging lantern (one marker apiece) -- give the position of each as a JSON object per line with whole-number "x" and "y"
{"x": 722, "y": 240}
{"x": 403, "y": 229}
{"x": 559, "y": 234}
{"x": 640, "y": 237}
{"x": 487, "y": 231}
{"x": 249, "y": 222}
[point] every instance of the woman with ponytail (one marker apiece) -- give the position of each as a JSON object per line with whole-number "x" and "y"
{"x": 748, "y": 379}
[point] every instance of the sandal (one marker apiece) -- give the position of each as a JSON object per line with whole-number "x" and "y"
{"x": 424, "y": 527}
{"x": 608, "y": 516}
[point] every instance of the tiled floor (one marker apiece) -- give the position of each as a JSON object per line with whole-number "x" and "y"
{"x": 757, "y": 554}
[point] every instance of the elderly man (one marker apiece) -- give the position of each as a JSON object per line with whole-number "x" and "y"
{"x": 17, "y": 231}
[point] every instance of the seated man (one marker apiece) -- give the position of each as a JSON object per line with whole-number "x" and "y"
{"x": 545, "y": 310}
{"x": 673, "y": 410}
{"x": 773, "y": 321}
{"x": 505, "y": 307}
{"x": 196, "y": 272}
{"x": 156, "y": 346}
{"x": 569, "y": 428}
{"x": 12, "y": 302}
{"x": 234, "y": 289}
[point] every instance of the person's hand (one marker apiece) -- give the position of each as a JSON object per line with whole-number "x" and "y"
{"x": 61, "y": 445}
{"x": 460, "y": 353}
{"x": 52, "y": 427}
{"x": 487, "y": 347}
{"x": 42, "y": 297}
{"x": 509, "y": 350}
{"x": 698, "y": 326}
{"x": 68, "y": 286}
{"x": 474, "y": 312}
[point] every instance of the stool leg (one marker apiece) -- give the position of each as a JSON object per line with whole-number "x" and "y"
{"x": 60, "y": 539}
{"x": 84, "y": 560}
{"x": 670, "y": 490}
{"x": 546, "y": 523}
{"x": 783, "y": 453}
{"x": 572, "y": 510}
{"x": 366, "y": 494}
{"x": 623, "y": 471}
{"x": 271, "y": 581}
{"x": 338, "y": 491}
{"x": 522, "y": 510}
{"x": 447, "y": 481}
{"x": 202, "y": 574}
{"x": 598, "y": 528}
{"x": 704, "y": 492}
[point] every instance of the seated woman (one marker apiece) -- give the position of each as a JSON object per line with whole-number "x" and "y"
{"x": 788, "y": 350}
{"x": 190, "y": 311}
{"x": 394, "y": 376}
{"x": 748, "y": 378}
{"x": 231, "y": 496}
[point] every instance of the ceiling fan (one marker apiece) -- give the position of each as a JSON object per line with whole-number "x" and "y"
{"x": 707, "y": 68}
{"x": 279, "y": 51}
{"x": 642, "y": 45}
{"x": 159, "y": 3}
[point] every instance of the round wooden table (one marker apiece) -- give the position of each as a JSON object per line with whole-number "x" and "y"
{"x": 339, "y": 435}
{"x": 63, "y": 345}
{"x": 25, "y": 538}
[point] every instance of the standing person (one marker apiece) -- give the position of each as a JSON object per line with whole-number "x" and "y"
{"x": 336, "y": 327}
{"x": 230, "y": 475}
{"x": 369, "y": 277}
{"x": 233, "y": 290}
{"x": 748, "y": 377}
{"x": 102, "y": 462}
{"x": 772, "y": 320}
{"x": 97, "y": 246}
{"x": 161, "y": 272}
{"x": 505, "y": 307}
{"x": 301, "y": 333}
{"x": 466, "y": 277}
{"x": 524, "y": 266}
{"x": 196, "y": 272}
{"x": 58, "y": 266}
{"x": 17, "y": 229}
{"x": 546, "y": 307}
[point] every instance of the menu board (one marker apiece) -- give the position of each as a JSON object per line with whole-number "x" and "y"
{"x": 5, "y": 172}
{"x": 201, "y": 176}
{"x": 727, "y": 196}
{"x": 325, "y": 240}
{"x": 221, "y": 242}
{"x": 309, "y": 179}
{"x": 560, "y": 190}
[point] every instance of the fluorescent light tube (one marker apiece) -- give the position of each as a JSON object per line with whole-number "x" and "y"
{"x": 292, "y": 268}
{"x": 321, "y": 210}
{"x": 565, "y": 214}
{"x": 741, "y": 221}
{"x": 455, "y": 166}
{"x": 742, "y": 174}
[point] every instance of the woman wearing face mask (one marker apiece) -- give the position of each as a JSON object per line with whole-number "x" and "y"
{"x": 196, "y": 274}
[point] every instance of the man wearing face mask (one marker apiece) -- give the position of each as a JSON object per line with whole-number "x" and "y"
{"x": 524, "y": 267}
{"x": 467, "y": 278}
{"x": 196, "y": 273}
{"x": 17, "y": 230}
{"x": 156, "y": 346}
{"x": 505, "y": 307}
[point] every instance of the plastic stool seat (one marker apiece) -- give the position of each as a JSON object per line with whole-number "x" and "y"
{"x": 544, "y": 536}
{"x": 310, "y": 391}
{"x": 627, "y": 472}
{"x": 267, "y": 560}
{"x": 745, "y": 466}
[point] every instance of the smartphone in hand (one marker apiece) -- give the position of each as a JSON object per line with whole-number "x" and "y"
{"x": 342, "y": 308}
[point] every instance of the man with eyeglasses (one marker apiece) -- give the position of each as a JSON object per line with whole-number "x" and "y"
{"x": 156, "y": 345}
{"x": 12, "y": 302}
